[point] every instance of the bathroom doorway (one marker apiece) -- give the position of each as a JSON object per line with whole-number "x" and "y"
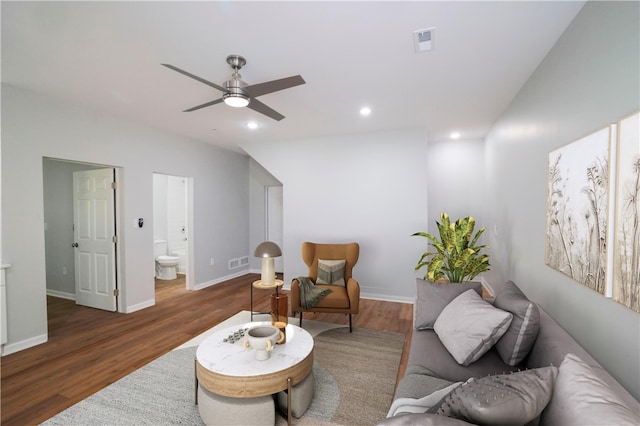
{"x": 172, "y": 230}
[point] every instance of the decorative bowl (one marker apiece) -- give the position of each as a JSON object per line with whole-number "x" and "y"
{"x": 262, "y": 338}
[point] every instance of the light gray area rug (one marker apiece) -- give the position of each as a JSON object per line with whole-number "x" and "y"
{"x": 355, "y": 376}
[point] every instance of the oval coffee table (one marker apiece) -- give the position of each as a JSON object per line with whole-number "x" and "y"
{"x": 228, "y": 370}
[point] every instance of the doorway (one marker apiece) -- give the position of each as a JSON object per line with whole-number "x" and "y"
{"x": 172, "y": 230}
{"x": 274, "y": 225}
{"x": 88, "y": 275}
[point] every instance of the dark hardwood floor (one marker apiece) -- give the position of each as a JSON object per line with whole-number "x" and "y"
{"x": 88, "y": 349}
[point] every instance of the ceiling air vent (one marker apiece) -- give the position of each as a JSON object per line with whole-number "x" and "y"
{"x": 423, "y": 40}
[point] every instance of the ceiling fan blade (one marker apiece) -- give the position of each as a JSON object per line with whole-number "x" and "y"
{"x": 258, "y": 106}
{"x": 273, "y": 86}
{"x": 195, "y": 77}
{"x": 217, "y": 101}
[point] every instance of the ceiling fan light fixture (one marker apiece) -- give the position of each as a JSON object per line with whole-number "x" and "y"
{"x": 236, "y": 100}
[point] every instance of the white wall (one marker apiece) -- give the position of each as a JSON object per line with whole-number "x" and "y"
{"x": 368, "y": 188}
{"x": 160, "y": 227}
{"x": 35, "y": 126}
{"x": 588, "y": 80}
{"x": 259, "y": 179}
{"x": 456, "y": 181}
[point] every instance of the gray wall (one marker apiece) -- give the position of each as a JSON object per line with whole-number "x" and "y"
{"x": 35, "y": 126}
{"x": 588, "y": 80}
{"x": 368, "y": 188}
{"x": 456, "y": 183}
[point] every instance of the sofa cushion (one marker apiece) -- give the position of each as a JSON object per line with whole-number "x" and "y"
{"x": 515, "y": 344}
{"x": 419, "y": 381}
{"x": 425, "y": 419}
{"x": 426, "y": 404}
{"x": 428, "y": 351}
{"x": 469, "y": 326}
{"x": 431, "y": 299}
{"x": 581, "y": 398}
{"x": 505, "y": 399}
{"x": 331, "y": 272}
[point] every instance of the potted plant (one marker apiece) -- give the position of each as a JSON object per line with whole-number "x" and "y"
{"x": 456, "y": 256}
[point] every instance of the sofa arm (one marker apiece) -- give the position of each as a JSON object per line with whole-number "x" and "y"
{"x": 294, "y": 295}
{"x": 353, "y": 290}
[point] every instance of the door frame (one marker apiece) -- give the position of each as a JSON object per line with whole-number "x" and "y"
{"x": 119, "y": 228}
{"x": 190, "y": 273}
{"x": 279, "y": 261}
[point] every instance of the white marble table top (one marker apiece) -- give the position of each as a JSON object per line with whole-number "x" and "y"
{"x": 231, "y": 359}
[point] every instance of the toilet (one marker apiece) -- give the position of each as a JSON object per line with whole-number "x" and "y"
{"x": 165, "y": 265}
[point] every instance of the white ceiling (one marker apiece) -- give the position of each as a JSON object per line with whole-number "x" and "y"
{"x": 107, "y": 56}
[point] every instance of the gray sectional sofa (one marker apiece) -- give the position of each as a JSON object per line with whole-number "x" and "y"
{"x": 501, "y": 361}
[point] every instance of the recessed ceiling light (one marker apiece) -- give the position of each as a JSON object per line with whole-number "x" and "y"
{"x": 365, "y": 111}
{"x": 455, "y": 135}
{"x": 252, "y": 125}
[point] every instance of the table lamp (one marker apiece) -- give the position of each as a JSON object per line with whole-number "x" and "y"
{"x": 267, "y": 251}
{"x": 279, "y": 302}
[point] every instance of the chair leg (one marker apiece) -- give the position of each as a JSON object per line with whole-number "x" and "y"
{"x": 350, "y": 325}
{"x": 300, "y": 319}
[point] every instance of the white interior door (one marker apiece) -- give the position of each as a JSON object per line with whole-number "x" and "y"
{"x": 94, "y": 238}
{"x": 275, "y": 231}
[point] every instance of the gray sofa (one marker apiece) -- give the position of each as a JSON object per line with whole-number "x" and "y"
{"x": 547, "y": 378}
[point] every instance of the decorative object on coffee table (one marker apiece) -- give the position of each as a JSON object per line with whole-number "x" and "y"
{"x": 280, "y": 314}
{"x": 456, "y": 256}
{"x": 262, "y": 339}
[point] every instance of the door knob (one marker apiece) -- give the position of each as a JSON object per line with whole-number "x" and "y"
{"x": 74, "y": 245}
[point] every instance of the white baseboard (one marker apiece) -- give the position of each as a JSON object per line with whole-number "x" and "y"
{"x": 386, "y": 297}
{"x": 206, "y": 284}
{"x": 372, "y": 296}
{"x": 139, "y": 306}
{"x": 488, "y": 287}
{"x": 11, "y": 348}
{"x": 61, "y": 294}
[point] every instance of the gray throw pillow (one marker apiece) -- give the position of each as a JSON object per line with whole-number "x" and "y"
{"x": 505, "y": 399}
{"x": 431, "y": 299}
{"x": 469, "y": 326}
{"x": 581, "y": 398}
{"x": 514, "y": 346}
{"x": 331, "y": 272}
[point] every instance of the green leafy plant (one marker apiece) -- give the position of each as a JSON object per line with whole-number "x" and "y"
{"x": 456, "y": 256}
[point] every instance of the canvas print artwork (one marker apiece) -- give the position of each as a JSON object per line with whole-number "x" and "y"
{"x": 577, "y": 201}
{"x": 626, "y": 257}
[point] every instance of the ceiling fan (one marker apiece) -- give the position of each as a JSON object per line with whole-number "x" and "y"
{"x": 237, "y": 93}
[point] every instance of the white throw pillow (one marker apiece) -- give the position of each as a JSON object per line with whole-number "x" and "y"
{"x": 469, "y": 326}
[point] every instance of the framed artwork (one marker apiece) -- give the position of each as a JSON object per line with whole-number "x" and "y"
{"x": 578, "y": 189}
{"x": 626, "y": 246}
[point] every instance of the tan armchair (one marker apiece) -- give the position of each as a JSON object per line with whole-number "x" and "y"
{"x": 343, "y": 299}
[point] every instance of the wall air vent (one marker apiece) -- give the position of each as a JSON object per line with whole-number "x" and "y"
{"x": 423, "y": 40}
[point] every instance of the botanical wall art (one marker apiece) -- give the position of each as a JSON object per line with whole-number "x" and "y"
{"x": 626, "y": 257}
{"x": 578, "y": 188}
